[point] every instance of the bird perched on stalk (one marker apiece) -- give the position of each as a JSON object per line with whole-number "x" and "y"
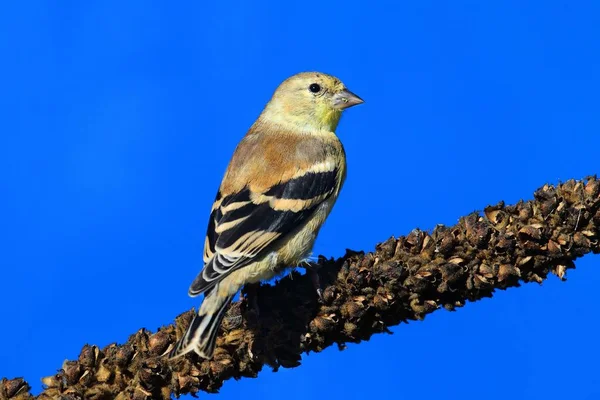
{"x": 280, "y": 185}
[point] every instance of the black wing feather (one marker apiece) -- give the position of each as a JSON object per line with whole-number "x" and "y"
{"x": 259, "y": 217}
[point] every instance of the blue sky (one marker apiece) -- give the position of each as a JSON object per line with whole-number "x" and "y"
{"x": 118, "y": 120}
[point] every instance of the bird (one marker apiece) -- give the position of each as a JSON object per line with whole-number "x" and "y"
{"x": 279, "y": 187}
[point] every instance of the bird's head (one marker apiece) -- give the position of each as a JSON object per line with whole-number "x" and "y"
{"x": 310, "y": 101}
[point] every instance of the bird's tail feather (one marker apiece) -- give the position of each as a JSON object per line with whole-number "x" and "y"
{"x": 201, "y": 335}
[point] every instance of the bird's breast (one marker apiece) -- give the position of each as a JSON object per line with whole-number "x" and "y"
{"x": 298, "y": 245}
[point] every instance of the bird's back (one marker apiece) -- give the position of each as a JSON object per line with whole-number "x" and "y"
{"x": 264, "y": 158}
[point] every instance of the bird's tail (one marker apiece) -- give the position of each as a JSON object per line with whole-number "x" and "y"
{"x": 201, "y": 335}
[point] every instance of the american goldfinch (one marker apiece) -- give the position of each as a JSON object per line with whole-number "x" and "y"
{"x": 280, "y": 185}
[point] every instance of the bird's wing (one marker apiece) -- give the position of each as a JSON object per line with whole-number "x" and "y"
{"x": 246, "y": 224}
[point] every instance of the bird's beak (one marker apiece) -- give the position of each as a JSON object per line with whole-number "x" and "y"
{"x": 346, "y": 99}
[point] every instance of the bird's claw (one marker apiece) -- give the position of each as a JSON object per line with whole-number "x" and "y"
{"x": 320, "y": 294}
{"x": 316, "y": 281}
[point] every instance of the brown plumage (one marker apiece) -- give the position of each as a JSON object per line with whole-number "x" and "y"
{"x": 280, "y": 185}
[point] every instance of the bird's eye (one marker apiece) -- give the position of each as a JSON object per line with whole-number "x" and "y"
{"x": 315, "y": 88}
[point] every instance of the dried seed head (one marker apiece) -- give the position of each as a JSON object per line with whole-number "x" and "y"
{"x": 415, "y": 240}
{"x": 486, "y": 270}
{"x": 329, "y": 294}
{"x": 14, "y": 387}
{"x": 72, "y": 371}
{"x": 380, "y": 302}
{"x": 505, "y": 244}
{"x": 536, "y": 278}
{"x": 124, "y": 355}
{"x": 530, "y": 232}
{"x": 87, "y": 357}
{"x": 525, "y": 211}
{"x": 581, "y": 240}
{"x": 350, "y": 329}
{"x": 561, "y": 271}
{"x": 387, "y": 248}
{"x": 51, "y": 381}
{"x": 103, "y": 374}
{"x": 553, "y": 247}
{"x": 158, "y": 343}
{"x": 496, "y": 215}
{"x": 234, "y": 337}
{"x": 479, "y": 281}
{"x": 478, "y": 232}
{"x": 592, "y": 188}
{"x": 322, "y": 324}
{"x": 524, "y": 260}
{"x": 507, "y": 271}
{"x": 446, "y": 242}
{"x": 352, "y": 310}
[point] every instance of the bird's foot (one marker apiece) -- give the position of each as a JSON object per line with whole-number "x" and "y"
{"x": 312, "y": 268}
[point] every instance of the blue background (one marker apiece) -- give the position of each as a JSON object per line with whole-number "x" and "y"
{"x": 118, "y": 120}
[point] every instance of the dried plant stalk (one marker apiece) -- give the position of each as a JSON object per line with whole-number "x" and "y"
{"x": 403, "y": 279}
